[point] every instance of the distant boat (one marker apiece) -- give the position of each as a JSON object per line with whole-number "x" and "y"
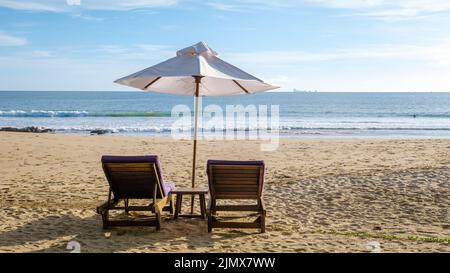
{"x": 296, "y": 90}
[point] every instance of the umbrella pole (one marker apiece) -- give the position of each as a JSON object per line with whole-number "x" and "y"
{"x": 194, "y": 157}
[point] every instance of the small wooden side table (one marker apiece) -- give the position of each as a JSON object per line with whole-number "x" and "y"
{"x": 192, "y": 192}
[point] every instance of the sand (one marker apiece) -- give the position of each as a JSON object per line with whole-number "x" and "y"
{"x": 322, "y": 195}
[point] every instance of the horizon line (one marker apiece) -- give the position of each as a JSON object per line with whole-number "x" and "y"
{"x": 142, "y": 91}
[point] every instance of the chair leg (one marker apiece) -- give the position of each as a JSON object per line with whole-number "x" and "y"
{"x": 126, "y": 206}
{"x": 158, "y": 218}
{"x": 172, "y": 204}
{"x": 263, "y": 215}
{"x": 212, "y": 207}
{"x": 105, "y": 218}
{"x": 210, "y": 220}
{"x": 158, "y": 221}
{"x": 263, "y": 222}
{"x": 209, "y": 215}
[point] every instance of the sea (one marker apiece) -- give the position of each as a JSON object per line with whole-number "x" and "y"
{"x": 297, "y": 114}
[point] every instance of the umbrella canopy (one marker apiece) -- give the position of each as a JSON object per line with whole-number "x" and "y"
{"x": 196, "y": 71}
{"x": 177, "y": 75}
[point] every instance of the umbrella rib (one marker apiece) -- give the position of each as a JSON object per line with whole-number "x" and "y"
{"x": 152, "y": 82}
{"x": 238, "y": 84}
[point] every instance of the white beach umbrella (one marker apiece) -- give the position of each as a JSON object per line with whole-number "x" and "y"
{"x": 196, "y": 71}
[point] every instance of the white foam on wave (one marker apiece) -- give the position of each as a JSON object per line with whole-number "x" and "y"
{"x": 43, "y": 113}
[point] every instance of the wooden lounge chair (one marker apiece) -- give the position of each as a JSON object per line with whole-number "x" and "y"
{"x": 135, "y": 177}
{"x": 236, "y": 180}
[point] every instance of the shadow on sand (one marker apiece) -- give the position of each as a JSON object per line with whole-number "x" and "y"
{"x": 53, "y": 233}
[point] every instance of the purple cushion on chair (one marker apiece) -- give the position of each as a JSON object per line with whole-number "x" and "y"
{"x": 129, "y": 159}
{"x": 167, "y": 186}
{"x": 235, "y": 162}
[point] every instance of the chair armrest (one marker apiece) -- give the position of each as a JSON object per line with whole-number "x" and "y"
{"x": 159, "y": 206}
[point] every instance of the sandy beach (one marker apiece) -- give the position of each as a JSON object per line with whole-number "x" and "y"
{"x": 321, "y": 195}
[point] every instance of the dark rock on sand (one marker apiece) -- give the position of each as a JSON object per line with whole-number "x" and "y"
{"x": 31, "y": 129}
{"x": 100, "y": 132}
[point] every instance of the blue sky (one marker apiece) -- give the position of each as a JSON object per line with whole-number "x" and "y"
{"x": 325, "y": 45}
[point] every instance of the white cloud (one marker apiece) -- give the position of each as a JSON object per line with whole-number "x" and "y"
{"x": 113, "y": 49}
{"x": 155, "y": 47}
{"x": 380, "y": 9}
{"x": 59, "y": 73}
{"x": 8, "y": 40}
{"x": 436, "y": 53}
{"x": 385, "y": 67}
{"x": 87, "y": 17}
{"x": 41, "y": 53}
{"x": 388, "y": 9}
{"x": 248, "y": 5}
{"x": 419, "y": 5}
{"x": 64, "y": 5}
{"x": 370, "y": 68}
{"x": 225, "y": 7}
{"x": 392, "y": 12}
{"x": 138, "y": 52}
{"x": 125, "y": 5}
{"x": 49, "y": 5}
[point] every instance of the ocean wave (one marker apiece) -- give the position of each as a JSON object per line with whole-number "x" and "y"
{"x": 418, "y": 115}
{"x": 368, "y": 114}
{"x": 113, "y": 130}
{"x": 154, "y": 129}
{"x": 282, "y": 129}
{"x": 68, "y": 114}
{"x": 299, "y": 128}
{"x": 288, "y": 114}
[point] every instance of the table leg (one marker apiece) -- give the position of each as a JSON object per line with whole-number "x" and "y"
{"x": 192, "y": 203}
{"x": 178, "y": 205}
{"x": 203, "y": 206}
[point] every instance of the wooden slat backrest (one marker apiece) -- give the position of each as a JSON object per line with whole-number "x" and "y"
{"x": 235, "y": 181}
{"x": 133, "y": 180}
